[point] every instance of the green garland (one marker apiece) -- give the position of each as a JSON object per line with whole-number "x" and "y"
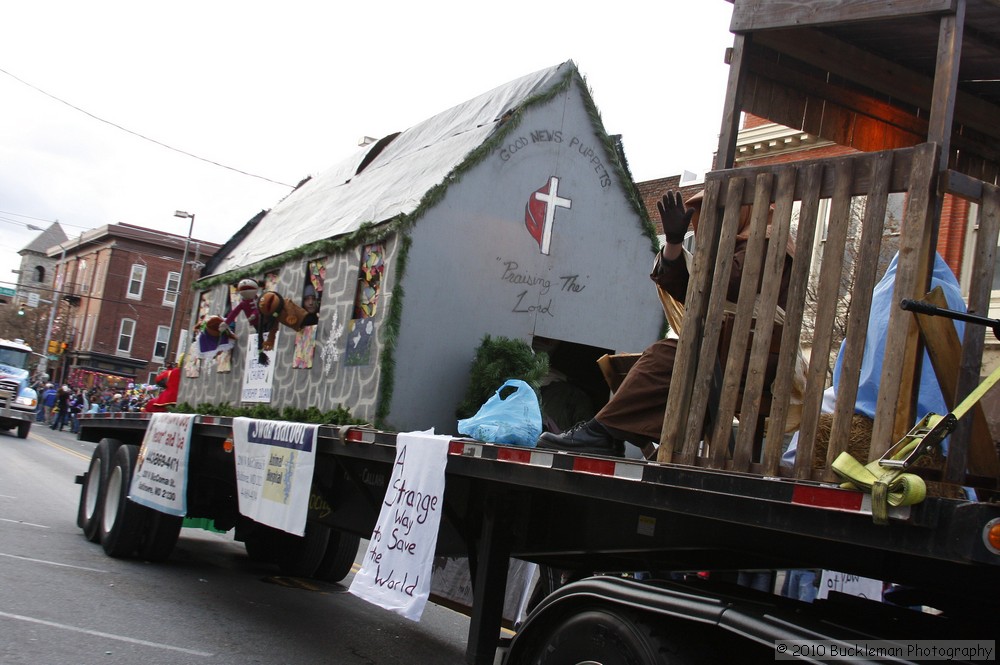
{"x": 338, "y": 416}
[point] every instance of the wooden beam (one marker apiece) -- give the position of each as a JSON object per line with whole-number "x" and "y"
{"x": 959, "y": 184}
{"x": 946, "y": 81}
{"x": 899, "y": 179}
{"x": 751, "y": 15}
{"x": 895, "y": 405}
{"x": 726, "y": 155}
{"x": 888, "y": 78}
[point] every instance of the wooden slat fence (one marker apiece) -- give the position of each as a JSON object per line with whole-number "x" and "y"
{"x": 777, "y": 196}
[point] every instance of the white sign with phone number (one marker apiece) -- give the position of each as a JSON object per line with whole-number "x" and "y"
{"x": 160, "y": 478}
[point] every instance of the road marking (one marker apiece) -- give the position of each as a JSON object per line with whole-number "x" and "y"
{"x": 97, "y": 633}
{"x": 53, "y": 563}
{"x": 40, "y": 526}
{"x": 53, "y": 444}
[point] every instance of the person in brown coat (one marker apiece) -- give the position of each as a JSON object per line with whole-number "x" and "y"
{"x": 635, "y": 412}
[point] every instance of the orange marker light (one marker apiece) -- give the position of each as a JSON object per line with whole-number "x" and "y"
{"x": 227, "y": 445}
{"x": 991, "y": 535}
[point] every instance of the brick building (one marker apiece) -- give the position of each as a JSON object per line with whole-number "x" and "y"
{"x": 117, "y": 287}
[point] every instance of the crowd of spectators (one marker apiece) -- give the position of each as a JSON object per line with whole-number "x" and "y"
{"x": 59, "y": 406}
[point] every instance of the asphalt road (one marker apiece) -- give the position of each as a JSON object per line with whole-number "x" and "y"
{"x": 63, "y": 601}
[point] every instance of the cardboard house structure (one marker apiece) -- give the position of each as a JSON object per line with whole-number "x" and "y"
{"x": 510, "y": 215}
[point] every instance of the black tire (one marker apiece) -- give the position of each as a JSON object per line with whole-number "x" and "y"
{"x": 22, "y": 430}
{"x": 88, "y": 514}
{"x": 159, "y": 535}
{"x": 608, "y": 635}
{"x": 121, "y": 519}
{"x": 301, "y": 556}
{"x": 341, "y": 551}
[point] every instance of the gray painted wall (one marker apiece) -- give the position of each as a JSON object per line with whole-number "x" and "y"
{"x": 325, "y": 386}
{"x": 474, "y": 268}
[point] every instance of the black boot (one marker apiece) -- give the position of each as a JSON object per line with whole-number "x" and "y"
{"x": 586, "y": 437}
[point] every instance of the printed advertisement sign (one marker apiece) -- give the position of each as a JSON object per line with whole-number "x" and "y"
{"x": 274, "y": 471}
{"x": 160, "y": 478}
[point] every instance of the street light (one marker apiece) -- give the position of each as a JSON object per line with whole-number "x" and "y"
{"x": 180, "y": 282}
{"x": 43, "y": 363}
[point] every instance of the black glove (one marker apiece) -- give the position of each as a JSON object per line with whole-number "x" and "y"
{"x": 674, "y": 216}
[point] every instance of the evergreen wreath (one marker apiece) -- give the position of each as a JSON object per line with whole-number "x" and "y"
{"x": 497, "y": 360}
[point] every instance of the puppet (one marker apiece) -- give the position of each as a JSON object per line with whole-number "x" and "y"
{"x": 214, "y": 337}
{"x": 272, "y": 309}
{"x": 248, "y": 290}
{"x": 170, "y": 380}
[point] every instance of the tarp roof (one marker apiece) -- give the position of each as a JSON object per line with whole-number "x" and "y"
{"x": 338, "y": 202}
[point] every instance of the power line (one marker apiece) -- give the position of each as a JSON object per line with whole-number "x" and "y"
{"x": 37, "y": 219}
{"x": 141, "y": 136}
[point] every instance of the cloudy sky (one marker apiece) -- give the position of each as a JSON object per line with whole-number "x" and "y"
{"x": 217, "y": 108}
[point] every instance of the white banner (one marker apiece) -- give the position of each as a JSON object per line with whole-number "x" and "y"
{"x": 855, "y": 585}
{"x": 160, "y": 478}
{"x": 257, "y": 378}
{"x": 396, "y": 571}
{"x": 274, "y": 471}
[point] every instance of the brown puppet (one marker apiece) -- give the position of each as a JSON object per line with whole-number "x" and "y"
{"x": 275, "y": 308}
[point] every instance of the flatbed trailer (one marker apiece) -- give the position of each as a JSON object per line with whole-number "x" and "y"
{"x": 638, "y": 532}
{"x": 591, "y": 514}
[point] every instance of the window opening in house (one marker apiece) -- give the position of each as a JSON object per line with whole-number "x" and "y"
{"x": 126, "y": 332}
{"x": 160, "y": 346}
{"x": 369, "y": 281}
{"x": 39, "y": 273}
{"x": 312, "y": 290}
{"x": 312, "y": 297}
{"x": 171, "y": 289}
{"x": 136, "y": 280}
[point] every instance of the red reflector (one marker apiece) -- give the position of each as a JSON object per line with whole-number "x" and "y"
{"x": 825, "y": 497}
{"x": 456, "y": 447}
{"x": 588, "y": 465}
{"x": 519, "y": 455}
{"x": 354, "y": 435}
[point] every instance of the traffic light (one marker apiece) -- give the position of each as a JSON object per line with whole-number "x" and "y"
{"x": 63, "y": 347}
{"x": 53, "y": 346}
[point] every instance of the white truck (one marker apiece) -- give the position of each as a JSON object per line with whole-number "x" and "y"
{"x": 18, "y": 400}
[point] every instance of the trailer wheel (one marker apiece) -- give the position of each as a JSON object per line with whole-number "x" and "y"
{"x": 121, "y": 521}
{"x": 301, "y": 556}
{"x": 159, "y": 535}
{"x": 22, "y": 429}
{"x": 88, "y": 515}
{"x": 338, "y": 560}
{"x": 607, "y": 635}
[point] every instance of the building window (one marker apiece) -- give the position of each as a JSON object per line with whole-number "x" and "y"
{"x": 136, "y": 281}
{"x": 40, "y": 274}
{"x": 160, "y": 347}
{"x": 173, "y": 286}
{"x": 126, "y": 333}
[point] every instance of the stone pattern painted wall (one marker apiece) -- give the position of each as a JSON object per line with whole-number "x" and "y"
{"x": 329, "y": 383}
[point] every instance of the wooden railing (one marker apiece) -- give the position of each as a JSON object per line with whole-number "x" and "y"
{"x": 777, "y": 194}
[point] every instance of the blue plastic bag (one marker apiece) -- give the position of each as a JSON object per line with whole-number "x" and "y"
{"x": 514, "y": 420}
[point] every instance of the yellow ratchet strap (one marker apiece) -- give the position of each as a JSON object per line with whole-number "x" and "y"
{"x": 888, "y": 487}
